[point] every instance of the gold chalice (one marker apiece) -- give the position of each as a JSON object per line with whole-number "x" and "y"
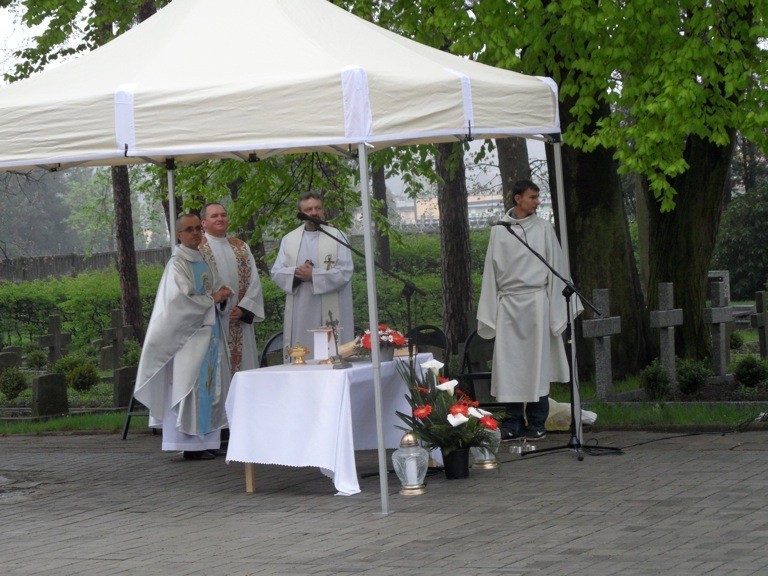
{"x": 297, "y": 354}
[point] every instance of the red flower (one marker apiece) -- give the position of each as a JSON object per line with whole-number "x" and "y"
{"x": 422, "y": 411}
{"x": 422, "y": 389}
{"x": 398, "y": 339}
{"x": 489, "y": 422}
{"x": 442, "y": 379}
{"x": 366, "y": 341}
{"x": 459, "y": 409}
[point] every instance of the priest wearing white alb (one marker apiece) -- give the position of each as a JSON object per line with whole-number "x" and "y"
{"x": 236, "y": 268}
{"x": 522, "y": 307}
{"x": 315, "y": 272}
{"x": 183, "y": 374}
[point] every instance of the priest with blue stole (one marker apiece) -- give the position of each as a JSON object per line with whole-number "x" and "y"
{"x": 184, "y": 374}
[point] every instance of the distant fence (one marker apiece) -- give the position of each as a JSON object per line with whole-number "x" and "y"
{"x": 21, "y": 269}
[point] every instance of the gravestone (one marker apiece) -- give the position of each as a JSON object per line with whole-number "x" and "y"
{"x": 56, "y": 341}
{"x": 665, "y": 319}
{"x": 717, "y": 317}
{"x": 114, "y": 338}
{"x": 12, "y": 349}
{"x": 122, "y": 386}
{"x": 49, "y": 395}
{"x": 759, "y": 320}
{"x": 601, "y": 329}
{"x": 722, "y": 294}
{"x": 9, "y": 360}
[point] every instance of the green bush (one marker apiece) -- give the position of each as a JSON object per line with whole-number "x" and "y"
{"x": 66, "y": 364}
{"x": 12, "y": 382}
{"x": 750, "y": 371}
{"x": 84, "y": 377}
{"x": 655, "y": 381}
{"x": 37, "y": 359}
{"x": 737, "y": 340}
{"x": 131, "y": 353}
{"x": 692, "y": 375}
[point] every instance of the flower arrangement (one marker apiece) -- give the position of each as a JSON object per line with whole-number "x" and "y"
{"x": 443, "y": 416}
{"x": 387, "y": 337}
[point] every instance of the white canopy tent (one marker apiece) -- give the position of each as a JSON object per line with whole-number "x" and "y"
{"x": 250, "y": 79}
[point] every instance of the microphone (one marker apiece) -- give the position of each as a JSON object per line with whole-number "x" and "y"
{"x": 315, "y": 221}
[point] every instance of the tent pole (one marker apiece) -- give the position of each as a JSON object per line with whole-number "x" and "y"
{"x": 170, "y": 169}
{"x": 561, "y": 219}
{"x": 373, "y": 318}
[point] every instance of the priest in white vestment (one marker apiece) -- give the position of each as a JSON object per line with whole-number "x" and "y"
{"x": 183, "y": 374}
{"x": 522, "y": 307}
{"x": 315, "y": 272}
{"x": 233, "y": 260}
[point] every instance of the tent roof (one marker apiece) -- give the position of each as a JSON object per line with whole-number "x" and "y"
{"x": 254, "y": 78}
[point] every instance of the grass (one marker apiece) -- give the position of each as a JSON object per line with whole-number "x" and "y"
{"x": 105, "y": 422}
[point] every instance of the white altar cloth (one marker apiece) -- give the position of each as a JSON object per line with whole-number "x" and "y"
{"x": 314, "y": 415}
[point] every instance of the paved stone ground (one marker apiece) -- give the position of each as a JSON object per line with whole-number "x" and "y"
{"x": 94, "y": 505}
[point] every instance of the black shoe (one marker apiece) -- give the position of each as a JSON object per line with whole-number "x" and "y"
{"x": 535, "y": 434}
{"x": 507, "y": 435}
{"x": 217, "y": 452}
{"x": 198, "y": 455}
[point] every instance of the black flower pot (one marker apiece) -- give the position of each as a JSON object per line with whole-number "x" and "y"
{"x": 456, "y": 464}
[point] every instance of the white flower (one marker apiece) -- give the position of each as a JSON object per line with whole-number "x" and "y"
{"x": 478, "y": 412}
{"x": 457, "y": 419}
{"x": 448, "y": 386}
{"x": 433, "y": 365}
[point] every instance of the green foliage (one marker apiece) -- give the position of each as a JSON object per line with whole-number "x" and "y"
{"x": 12, "y": 382}
{"x": 84, "y": 377}
{"x": 751, "y": 371}
{"x": 655, "y": 381}
{"x": 68, "y": 363}
{"x": 741, "y": 243}
{"x": 692, "y": 375}
{"x": 736, "y": 340}
{"x": 37, "y": 359}
{"x": 131, "y": 353}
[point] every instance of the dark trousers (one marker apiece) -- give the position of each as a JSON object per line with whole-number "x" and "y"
{"x": 518, "y": 412}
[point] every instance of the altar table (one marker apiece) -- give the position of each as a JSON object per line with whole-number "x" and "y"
{"x": 313, "y": 415}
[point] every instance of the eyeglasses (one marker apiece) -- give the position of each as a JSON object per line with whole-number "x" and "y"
{"x": 190, "y": 229}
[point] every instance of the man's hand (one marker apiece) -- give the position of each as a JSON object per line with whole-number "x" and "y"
{"x": 236, "y": 314}
{"x": 221, "y": 294}
{"x": 304, "y": 272}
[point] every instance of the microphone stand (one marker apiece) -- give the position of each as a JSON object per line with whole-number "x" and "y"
{"x": 409, "y": 288}
{"x": 574, "y": 443}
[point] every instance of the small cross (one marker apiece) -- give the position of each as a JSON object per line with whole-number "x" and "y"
{"x": 329, "y": 262}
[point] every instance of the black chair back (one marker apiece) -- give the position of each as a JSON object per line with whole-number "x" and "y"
{"x": 272, "y": 354}
{"x": 429, "y": 338}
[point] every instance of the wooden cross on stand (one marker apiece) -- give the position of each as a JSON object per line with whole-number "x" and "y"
{"x": 338, "y": 361}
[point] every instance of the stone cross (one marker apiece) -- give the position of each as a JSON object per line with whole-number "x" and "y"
{"x": 759, "y": 320}
{"x": 114, "y": 337}
{"x": 717, "y": 317}
{"x": 665, "y": 319}
{"x": 601, "y": 330}
{"x": 56, "y": 341}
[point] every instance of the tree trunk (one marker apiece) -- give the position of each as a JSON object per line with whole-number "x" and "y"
{"x": 458, "y": 294}
{"x": 601, "y": 254}
{"x": 383, "y": 254}
{"x": 126, "y": 253}
{"x": 513, "y": 166}
{"x": 682, "y": 241}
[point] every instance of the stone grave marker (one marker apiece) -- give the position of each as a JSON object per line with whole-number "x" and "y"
{"x": 56, "y": 341}
{"x": 665, "y": 319}
{"x": 718, "y": 317}
{"x": 49, "y": 395}
{"x": 114, "y": 338}
{"x": 12, "y": 349}
{"x": 601, "y": 329}
{"x": 123, "y": 384}
{"x": 9, "y": 360}
{"x": 759, "y": 320}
